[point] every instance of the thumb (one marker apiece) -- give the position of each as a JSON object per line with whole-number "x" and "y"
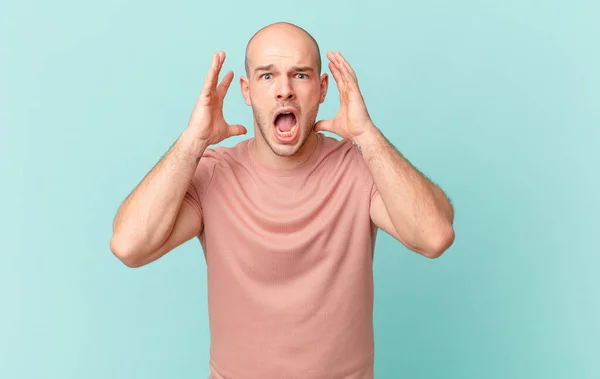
{"x": 324, "y": 125}
{"x": 236, "y": 130}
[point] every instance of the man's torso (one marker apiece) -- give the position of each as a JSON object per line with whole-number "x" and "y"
{"x": 289, "y": 263}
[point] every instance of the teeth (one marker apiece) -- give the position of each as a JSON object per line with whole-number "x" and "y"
{"x": 287, "y": 134}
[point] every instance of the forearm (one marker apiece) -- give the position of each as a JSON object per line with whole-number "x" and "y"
{"x": 418, "y": 209}
{"x": 146, "y": 217}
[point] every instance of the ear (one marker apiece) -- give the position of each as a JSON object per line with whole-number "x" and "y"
{"x": 324, "y": 86}
{"x": 245, "y": 86}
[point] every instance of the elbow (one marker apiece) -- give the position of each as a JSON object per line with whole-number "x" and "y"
{"x": 126, "y": 253}
{"x": 440, "y": 242}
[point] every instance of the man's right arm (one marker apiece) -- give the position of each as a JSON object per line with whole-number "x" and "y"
{"x": 154, "y": 219}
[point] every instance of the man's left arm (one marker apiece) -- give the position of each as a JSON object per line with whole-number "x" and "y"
{"x": 408, "y": 206}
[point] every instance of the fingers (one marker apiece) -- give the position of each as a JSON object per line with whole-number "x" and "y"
{"x": 346, "y": 65}
{"x": 224, "y": 86}
{"x": 212, "y": 75}
{"x": 345, "y": 71}
{"x": 337, "y": 75}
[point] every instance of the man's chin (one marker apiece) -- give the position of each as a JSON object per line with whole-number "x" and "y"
{"x": 289, "y": 149}
{"x": 285, "y": 150}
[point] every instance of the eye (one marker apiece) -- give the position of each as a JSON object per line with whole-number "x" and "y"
{"x": 302, "y": 76}
{"x": 266, "y": 76}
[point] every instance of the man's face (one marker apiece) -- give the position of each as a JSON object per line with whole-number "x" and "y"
{"x": 284, "y": 89}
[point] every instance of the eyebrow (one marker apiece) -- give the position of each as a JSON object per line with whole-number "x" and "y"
{"x": 263, "y": 68}
{"x": 302, "y": 68}
{"x": 294, "y": 68}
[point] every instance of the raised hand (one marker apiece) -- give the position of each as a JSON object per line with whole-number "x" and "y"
{"x": 207, "y": 122}
{"x": 352, "y": 119}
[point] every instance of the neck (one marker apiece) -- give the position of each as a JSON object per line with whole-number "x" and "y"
{"x": 263, "y": 154}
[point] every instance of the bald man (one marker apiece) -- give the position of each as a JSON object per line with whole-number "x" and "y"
{"x": 287, "y": 219}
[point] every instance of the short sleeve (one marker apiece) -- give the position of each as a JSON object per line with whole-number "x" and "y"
{"x": 201, "y": 180}
{"x": 364, "y": 171}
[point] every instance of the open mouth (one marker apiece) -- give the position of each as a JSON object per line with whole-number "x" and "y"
{"x": 286, "y": 123}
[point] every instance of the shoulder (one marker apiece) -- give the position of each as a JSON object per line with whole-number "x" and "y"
{"x": 336, "y": 147}
{"x": 223, "y": 154}
{"x": 345, "y": 156}
{"x": 214, "y": 160}
{"x": 216, "y": 157}
{"x": 230, "y": 156}
{"x": 342, "y": 151}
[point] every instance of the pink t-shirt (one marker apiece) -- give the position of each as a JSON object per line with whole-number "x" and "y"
{"x": 289, "y": 263}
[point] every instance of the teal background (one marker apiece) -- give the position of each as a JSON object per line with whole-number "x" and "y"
{"x": 497, "y": 102}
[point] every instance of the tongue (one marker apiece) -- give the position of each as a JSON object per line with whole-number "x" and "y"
{"x": 285, "y": 122}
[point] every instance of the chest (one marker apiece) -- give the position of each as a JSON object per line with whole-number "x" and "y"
{"x": 285, "y": 211}
{"x": 281, "y": 228}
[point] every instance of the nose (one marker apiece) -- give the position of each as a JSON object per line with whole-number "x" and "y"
{"x": 285, "y": 91}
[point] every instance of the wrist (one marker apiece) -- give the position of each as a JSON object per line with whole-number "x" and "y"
{"x": 367, "y": 138}
{"x": 191, "y": 145}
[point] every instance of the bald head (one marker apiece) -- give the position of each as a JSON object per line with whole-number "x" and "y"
{"x": 281, "y": 34}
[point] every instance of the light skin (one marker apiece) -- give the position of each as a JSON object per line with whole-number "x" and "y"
{"x": 154, "y": 219}
{"x": 408, "y": 206}
{"x": 283, "y": 71}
